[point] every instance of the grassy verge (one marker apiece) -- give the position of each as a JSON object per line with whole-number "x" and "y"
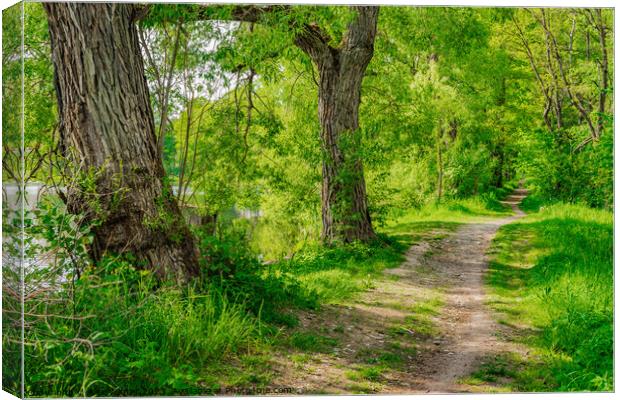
{"x": 551, "y": 280}
{"x": 337, "y": 274}
{"x": 123, "y": 336}
{"x": 132, "y": 336}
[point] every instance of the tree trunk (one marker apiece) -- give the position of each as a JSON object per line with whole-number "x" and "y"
{"x": 439, "y": 166}
{"x": 499, "y": 172}
{"x": 604, "y": 65}
{"x": 341, "y": 69}
{"x": 345, "y": 213}
{"x": 209, "y": 223}
{"x": 107, "y": 128}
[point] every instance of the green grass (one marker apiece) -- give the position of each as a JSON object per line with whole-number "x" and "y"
{"x": 153, "y": 340}
{"x": 372, "y": 374}
{"x": 300, "y": 360}
{"x": 495, "y": 369}
{"x": 363, "y": 387}
{"x": 139, "y": 340}
{"x": 338, "y": 274}
{"x": 551, "y": 279}
{"x": 453, "y": 211}
{"x": 335, "y": 285}
{"x": 311, "y": 342}
{"x": 420, "y": 321}
{"x": 494, "y": 374}
{"x": 396, "y": 357}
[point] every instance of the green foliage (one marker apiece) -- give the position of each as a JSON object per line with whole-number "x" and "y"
{"x": 558, "y": 173}
{"x": 337, "y": 274}
{"x": 264, "y": 290}
{"x": 552, "y": 155}
{"x": 39, "y": 100}
{"x": 123, "y": 337}
{"x": 553, "y": 272}
{"x": 112, "y": 329}
{"x": 11, "y": 76}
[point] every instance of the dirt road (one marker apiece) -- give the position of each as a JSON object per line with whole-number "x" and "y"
{"x": 430, "y": 312}
{"x": 468, "y": 329}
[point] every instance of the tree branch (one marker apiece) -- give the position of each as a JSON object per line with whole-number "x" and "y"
{"x": 246, "y": 13}
{"x": 567, "y": 85}
{"x": 530, "y": 56}
{"x": 314, "y": 42}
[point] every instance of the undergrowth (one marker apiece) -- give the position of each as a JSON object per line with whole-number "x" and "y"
{"x": 116, "y": 331}
{"x": 552, "y": 281}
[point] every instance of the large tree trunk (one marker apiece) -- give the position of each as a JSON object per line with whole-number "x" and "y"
{"x": 344, "y": 202}
{"x": 107, "y": 128}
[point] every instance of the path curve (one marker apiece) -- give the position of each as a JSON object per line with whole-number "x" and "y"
{"x": 454, "y": 264}
{"x": 468, "y": 330}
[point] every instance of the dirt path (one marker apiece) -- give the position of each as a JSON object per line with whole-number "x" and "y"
{"x": 469, "y": 332}
{"x": 403, "y": 319}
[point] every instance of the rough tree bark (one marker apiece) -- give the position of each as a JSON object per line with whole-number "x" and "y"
{"x": 107, "y": 128}
{"x": 345, "y": 213}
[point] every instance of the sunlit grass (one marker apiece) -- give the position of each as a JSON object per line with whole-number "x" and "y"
{"x": 551, "y": 279}
{"x": 338, "y": 274}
